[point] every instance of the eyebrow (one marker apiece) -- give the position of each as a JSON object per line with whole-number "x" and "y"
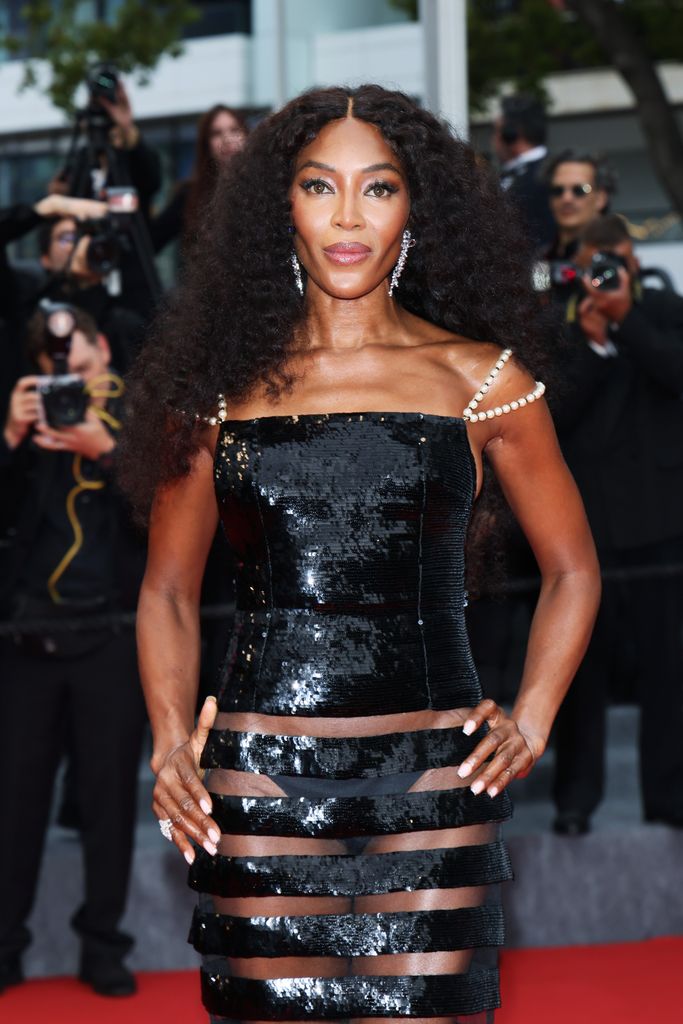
{"x": 366, "y": 170}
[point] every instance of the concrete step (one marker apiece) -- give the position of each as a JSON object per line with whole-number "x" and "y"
{"x": 620, "y": 883}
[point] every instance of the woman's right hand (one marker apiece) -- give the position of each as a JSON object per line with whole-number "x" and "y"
{"x": 179, "y": 794}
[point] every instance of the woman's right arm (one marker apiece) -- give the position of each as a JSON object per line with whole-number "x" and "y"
{"x": 182, "y": 526}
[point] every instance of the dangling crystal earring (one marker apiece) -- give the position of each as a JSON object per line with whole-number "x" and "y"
{"x": 406, "y": 242}
{"x": 297, "y": 273}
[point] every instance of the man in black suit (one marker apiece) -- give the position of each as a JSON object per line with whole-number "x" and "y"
{"x": 73, "y": 556}
{"x": 519, "y": 135}
{"x": 620, "y": 423}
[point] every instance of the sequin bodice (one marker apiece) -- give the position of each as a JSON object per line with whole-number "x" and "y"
{"x": 349, "y": 533}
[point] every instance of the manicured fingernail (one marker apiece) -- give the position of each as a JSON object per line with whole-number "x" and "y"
{"x": 213, "y": 835}
{"x": 477, "y": 786}
{"x": 211, "y": 697}
{"x": 189, "y": 856}
{"x": 209, "y": 847}
{"x": 205, "y": 806}
{"x": 469, "y": 727}
{"x": 493, "y": 791}
{"x": 465, "y": 769}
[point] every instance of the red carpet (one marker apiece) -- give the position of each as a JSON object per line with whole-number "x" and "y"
{"x": 630, "y": 983}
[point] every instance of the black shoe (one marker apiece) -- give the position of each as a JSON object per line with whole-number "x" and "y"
{"x": 10, "y": 972}
{"x": 571, "y": 823}
{"x": 107, "y": 976}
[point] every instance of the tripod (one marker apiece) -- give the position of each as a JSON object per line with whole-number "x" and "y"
{"x": 91, "y": 153}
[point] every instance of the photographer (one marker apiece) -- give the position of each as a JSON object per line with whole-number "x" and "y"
{"x": 77, "y": 265}
{"x": 18, "y": 290}
{"x": 111, "y": 131}
{"x": 74, "y": 558}
{"x": 74, "y": 264}
{"x": 620, "y": 425}
{"x": 107, "y": 151}
{"x": 519, "y": 137}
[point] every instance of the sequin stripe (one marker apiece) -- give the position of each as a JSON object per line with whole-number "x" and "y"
{"x": 485, "y": 1017}
{"x": 338, "y": 757}
{"x": 349, "y": 875}
{"x": 432, "y": 995}
{"x": 342, "y": 817}
{"x": 346, "y": 935}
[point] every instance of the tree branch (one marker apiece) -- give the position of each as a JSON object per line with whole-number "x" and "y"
{"x": 626, "y": 52}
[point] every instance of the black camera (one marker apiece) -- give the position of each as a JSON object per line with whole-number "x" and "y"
{"x": 567, "y": 277}
{"x": 110, "y": 235}
{"x": 604, "y": 270}
{"x": 63, "y": 395}
{"x": 103, "y": 81}
{"x": 64, "y": 399}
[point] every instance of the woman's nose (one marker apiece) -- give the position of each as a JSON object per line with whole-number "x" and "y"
{"x": 348, "y": 215}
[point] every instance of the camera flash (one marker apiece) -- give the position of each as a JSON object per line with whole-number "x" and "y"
{"x": 61, "y": 323}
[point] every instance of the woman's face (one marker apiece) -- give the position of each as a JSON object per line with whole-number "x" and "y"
{"x": 350, "y": 205}
{"x": 226, "y": 136}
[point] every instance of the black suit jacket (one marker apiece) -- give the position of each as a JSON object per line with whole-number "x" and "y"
{"x": 29, "y": 482}
{"x": 529, "y": 192}
{"x": 620, "y": 423}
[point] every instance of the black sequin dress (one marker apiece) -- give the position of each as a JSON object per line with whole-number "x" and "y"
{"x": 364, "y": 885}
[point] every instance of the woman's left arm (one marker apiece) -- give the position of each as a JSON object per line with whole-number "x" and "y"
{"x": 541, "y": 492}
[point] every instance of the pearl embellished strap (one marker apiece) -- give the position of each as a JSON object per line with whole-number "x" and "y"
{"x": 471, "y": 415}
{"x": 220, "y": 416}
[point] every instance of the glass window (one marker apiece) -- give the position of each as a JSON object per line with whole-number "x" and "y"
{"x": 220, "y": 17}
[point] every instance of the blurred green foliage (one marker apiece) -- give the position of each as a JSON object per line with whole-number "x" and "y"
{"x": 59, "y": 32}
{"x": 522, "y": 41}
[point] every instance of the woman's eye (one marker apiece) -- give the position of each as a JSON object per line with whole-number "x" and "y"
{"x": 380, "y": 189}
{"x": 315, "y": 185}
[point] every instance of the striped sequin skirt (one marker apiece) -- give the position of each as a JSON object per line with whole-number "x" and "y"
{"x": 356, "y": 876}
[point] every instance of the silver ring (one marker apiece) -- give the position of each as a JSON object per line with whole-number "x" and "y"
{"x": 166, "y": 826}
{"x": 508, "y": 771}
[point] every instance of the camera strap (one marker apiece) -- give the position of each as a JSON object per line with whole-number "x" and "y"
{"x": 106, "y": 385}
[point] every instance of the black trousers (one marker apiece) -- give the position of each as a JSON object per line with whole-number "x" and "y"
{"x": 637, "y": 652}
{"x": 98, "y": 699}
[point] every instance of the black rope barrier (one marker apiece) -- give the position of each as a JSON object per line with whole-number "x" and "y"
{"x": 117, "y": 620}
{"x": 114, "y": 620}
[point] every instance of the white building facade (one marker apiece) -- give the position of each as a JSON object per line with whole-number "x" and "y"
{"x": 277, "y": 48}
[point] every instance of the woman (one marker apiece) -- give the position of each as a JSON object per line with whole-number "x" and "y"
{"x": 346, "y": 832}
{"x": 221, "y": 132}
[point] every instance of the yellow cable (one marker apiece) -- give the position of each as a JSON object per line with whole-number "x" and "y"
{"x": 81, "y": 485}
{"x": 106, "y": 417}
{"x": 95, "y": 390}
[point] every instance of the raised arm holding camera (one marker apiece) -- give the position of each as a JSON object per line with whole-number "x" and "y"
{"x": 80, "y": 241}
{"x": 63, "y": 406}
{"x": 620, "y": 424}
{"x": 74, "y": 558}
{"x": 108, "y": 155}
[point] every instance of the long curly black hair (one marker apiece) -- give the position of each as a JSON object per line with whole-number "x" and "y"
{"x": 229, "y": 325}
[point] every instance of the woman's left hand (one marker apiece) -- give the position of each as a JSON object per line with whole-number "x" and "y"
{"x": 512, "y": 750}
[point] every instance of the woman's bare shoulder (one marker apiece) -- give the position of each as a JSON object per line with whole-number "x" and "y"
{"x": 472, "y": 361}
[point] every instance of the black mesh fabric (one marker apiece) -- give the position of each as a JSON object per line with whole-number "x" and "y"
{"x": 356, "y": 874}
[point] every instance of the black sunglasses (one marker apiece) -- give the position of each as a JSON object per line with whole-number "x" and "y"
{"x": 578, "y": 191}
